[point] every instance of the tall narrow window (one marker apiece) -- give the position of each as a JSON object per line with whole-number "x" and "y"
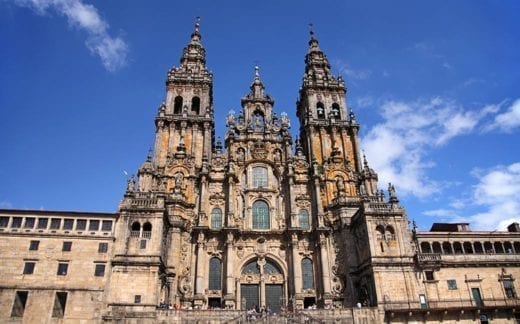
{"x": 509, "y": 287}
{"x": 62, "y": 269}
{"x": 20, "y": 299}
{"x": 4, "y": 221}
{"x": 260, "y": 215}
{"x": 147, "y": 230}
{"x": 335, "y": 110}
{"x": 307, "y": 274}
{"x": 106, "y": 226}
{"x": 93, "y": 225}
{"x": 99, "y": 270}
{"x": 320, "y": 110}
{"x": 259, "y": 177}
{"x": 195, "y": 105}
{"x": 60, "y": 302}
{"x": 55, "y": 223}
{"x": 67, "y": 246}
{"x": 177, "y": 105}
{"x": 216, "y": 218}
{"x": 81, "y": 224}
{"x": 68, "y": 224}
{"x": 102, "y": 247}
{"x": 215, "y": 274}
{"x": 42, "y": 223}
{"x": 34, "y": 245}
{"x": 304, "y": 219}
{"x": 28, "y": 267}
{"x": 29, "y": 222}
{"x": 17, "y": 222}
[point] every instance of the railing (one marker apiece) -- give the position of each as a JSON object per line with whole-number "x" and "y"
{"x": 134, "y": 233}
{"x": 428, "y": 257}
{"x": 450, "y": 304}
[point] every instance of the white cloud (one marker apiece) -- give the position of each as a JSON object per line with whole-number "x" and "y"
{"x": 398, "y": 147}
{"x": 498, "y": 191}
{"x": 508, "y": 120}
{"x": 497, "y": 194}
{"x": 344, "y": 68}
{"x": 112, "y": 50}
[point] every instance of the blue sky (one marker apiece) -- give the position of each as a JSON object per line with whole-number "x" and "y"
{"x": 435, "y": 86}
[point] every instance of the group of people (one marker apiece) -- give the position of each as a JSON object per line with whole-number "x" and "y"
{"x": 163, "y": 305}
{"x": 258, "y": 312}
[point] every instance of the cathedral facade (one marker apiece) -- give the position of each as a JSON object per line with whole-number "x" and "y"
{"x": 294, "y": 225}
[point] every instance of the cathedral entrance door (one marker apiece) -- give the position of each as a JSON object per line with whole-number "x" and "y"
{"x": 273, "y": 297}
{"x": 262, "y": 284}
{"x": 250, "y": 294}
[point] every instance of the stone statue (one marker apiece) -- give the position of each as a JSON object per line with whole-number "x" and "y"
{"x": 131, "y": 184}
{"x": 340, "y": 184}
{"x": 179, "y": 178}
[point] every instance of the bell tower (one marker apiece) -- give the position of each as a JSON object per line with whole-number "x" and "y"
{"x": 184, "y": 124}
{"x": 329, "y": 133}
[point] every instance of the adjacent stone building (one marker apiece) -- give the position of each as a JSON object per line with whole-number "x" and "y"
{"x": 297, "y": 225}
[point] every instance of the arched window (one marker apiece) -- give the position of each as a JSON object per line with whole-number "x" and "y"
{"x": 499, "y": 248}
{"x": 195, "y": 105}
{"x": 436, "y": 247}
{"x": 478, "y": 247}
{"x": 135, "y": 229}
{"x": 335, "y": 110}
{"x": 488, "y": 247}
{"x": 380, "y": 232}
{"x": 259, "y": 177}
{"x": 468, "y": 248}
{"x": 147, "y": 230}
{"x": 271, "y": 268}
{"x": 215, "y": 274}
{"x": 136, "y": 226}
{"x": 508, "y": 247}
{"x": 425, "y": 247}
{"x": 516, "y": 246}
{"x": 446, "y": 248}
{"x": 251, "y": 268}
{"x": 307, "y": 274}
{"x": 304, "y": 219}
{"x": 457, "y": 248}
{"x": 320, "y": 110}
{"x": 260, "y": 215}
{"x": 177, "y": 105}
{"x": 389, "y": 233}
{"x": 216, "y": 218}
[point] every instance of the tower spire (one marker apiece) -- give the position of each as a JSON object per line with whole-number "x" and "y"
{"x": 195, "y": 36}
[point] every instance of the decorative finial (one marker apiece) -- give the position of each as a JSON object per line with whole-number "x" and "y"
{"x": 311, "y": 30}
{"x": 197, "y": 24}
{"x": 257, "y": 72}
{"x": 149, "y": 157}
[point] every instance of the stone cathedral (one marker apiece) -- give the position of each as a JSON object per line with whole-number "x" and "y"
{"x": 269, "y": 218}
{"x": 297, "y": 226}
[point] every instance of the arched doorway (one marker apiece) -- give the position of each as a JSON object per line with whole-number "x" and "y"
{"x": 262, "y": 284}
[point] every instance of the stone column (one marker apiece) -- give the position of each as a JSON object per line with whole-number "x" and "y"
{"x": 207, "y": 141}
{"x": 230, "y": 280}
{"x": 325, "y": 271}
{"x": 202, "y": 199}
{"x": 199, "y": 278}
{"x": 357, "y": 156}
{"x": 231, "y": 199}
{"x": 297, "y": 270}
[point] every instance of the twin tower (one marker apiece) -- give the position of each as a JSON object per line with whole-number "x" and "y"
{"x": 262, "y": 219}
